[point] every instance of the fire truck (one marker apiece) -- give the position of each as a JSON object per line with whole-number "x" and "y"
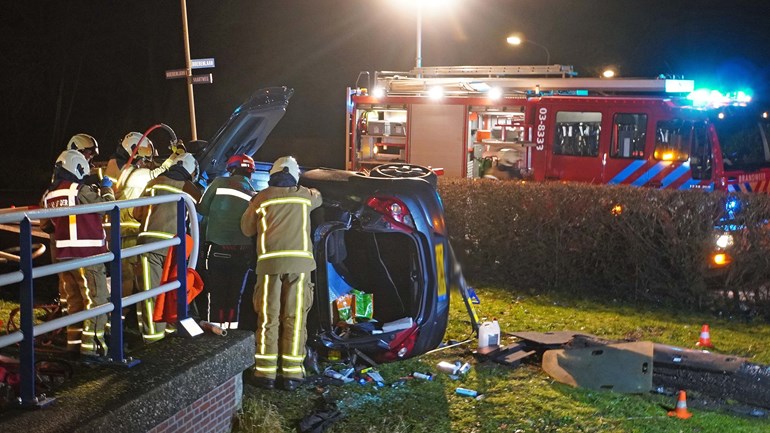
{"x": 552, "y": 125}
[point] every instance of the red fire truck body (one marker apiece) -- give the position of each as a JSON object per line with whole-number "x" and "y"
{"x": 637, "y": 132}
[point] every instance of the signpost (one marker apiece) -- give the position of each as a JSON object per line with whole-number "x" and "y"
{"x": 191, "y": 64}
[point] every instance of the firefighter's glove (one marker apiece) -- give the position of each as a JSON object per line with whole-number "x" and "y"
{"x": 106, "y": 182}
{"x": 168, "y": 162}
{"x": 177, "y": 147}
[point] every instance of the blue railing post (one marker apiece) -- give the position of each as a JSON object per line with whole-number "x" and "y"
{"x": 26, "y": 299}
{"x": 116, "y": 288}
{"x": 181, "y": 261}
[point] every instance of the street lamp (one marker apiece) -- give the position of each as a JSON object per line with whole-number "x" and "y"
{"x": 518, "y": 40}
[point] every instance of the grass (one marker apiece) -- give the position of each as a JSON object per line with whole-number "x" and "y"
{"x": 525, "y": 399}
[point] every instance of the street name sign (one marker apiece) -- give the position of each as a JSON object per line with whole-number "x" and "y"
{"x": 175, "y": 73}
{"x": 203, "y": 79}
{"x": 202, "y": 63}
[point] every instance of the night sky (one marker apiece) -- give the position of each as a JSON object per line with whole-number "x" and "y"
{"x": 98, "y": 66}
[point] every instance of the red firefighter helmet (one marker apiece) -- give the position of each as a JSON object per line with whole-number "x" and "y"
{"x": 241, "y": 161}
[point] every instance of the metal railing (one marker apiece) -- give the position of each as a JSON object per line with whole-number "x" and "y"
{"x": 28, "y": 273}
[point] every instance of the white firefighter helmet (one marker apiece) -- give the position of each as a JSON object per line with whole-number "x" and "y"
{"x": 288, "y": 162}
{"x": 187, "y": 160}
{"x": 83, "y": 142}
{"x": 73, "y": 162}
{"x": 146, "y": 150}
{"x": 132, "y": 139}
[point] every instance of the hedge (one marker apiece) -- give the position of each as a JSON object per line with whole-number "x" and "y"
{"x": 609, "y": 241}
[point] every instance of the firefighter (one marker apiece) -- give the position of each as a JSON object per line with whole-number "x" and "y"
{"x": 84, "y": 144}
{"x": 88, "y": 146}
{"x": 159, "y": 222}
{"x": 131, "y": 183}
{"x": 228, "y": 254}
{"x": 77, "y": 237}
{"x": 279, "y": 216}
{"x": 123, "y": 154}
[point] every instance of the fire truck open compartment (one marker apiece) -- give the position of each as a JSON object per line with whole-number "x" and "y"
{"x": 384, "y": 264}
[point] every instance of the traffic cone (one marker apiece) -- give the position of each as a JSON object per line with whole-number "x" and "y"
{"x": 705, "y": 337}
{"x": 681, "y": 407}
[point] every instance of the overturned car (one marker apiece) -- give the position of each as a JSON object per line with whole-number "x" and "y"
{"x": 385, "y": 267}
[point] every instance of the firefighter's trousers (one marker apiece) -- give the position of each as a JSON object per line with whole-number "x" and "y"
{"x": 152, "y": 271}
{"x": 282, "y": 302}
{"x": 226, "y": 269}
{"x": 84, "y": 289}
{"x": 131, "y": 273}
{"x": 131, "y": 265}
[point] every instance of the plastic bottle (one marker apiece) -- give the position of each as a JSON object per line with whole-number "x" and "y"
{"x": 489, "y": 334}
{"x": 423, "y": 376}
{"x": 466, "y": 392}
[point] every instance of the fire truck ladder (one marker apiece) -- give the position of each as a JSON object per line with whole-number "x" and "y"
{"x": 517, "y": 81}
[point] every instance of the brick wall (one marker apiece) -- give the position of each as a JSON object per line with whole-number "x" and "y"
{"x": 212, "y": 413}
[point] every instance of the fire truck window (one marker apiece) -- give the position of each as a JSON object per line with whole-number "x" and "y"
{"x": 629, "y": 132}
{"x": 577, "y": 133}
{"x": 700, "y": 160}
{"x": 672, "y": 140}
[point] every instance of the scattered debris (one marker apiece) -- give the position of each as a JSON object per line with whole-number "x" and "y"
{"x": 621, "y": 367}
{"x": 465, "y": 392}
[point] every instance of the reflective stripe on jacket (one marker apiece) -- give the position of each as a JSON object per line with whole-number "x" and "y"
{"x": 280, "y": 217}
{"x": 222, "y": 206}
{"x": 77, "y": 235}
{"x": 159, "y": 221}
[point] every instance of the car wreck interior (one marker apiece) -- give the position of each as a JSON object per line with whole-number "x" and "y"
{"x": 383, "y": 264}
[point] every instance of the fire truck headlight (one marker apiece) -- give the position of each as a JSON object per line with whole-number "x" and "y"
{"x": 724, "y": 241}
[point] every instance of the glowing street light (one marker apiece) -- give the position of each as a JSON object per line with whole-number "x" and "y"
{"x": 518, "y": 40}
{"x": 608, "y": 73}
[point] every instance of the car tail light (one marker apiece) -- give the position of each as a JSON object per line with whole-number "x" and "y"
{"x": 395, "y": 212}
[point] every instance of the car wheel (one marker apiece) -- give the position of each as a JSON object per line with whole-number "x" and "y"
{"x": 398, "y": 170}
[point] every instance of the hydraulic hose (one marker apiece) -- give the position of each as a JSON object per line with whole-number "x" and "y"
{"x": 174, "y": 139}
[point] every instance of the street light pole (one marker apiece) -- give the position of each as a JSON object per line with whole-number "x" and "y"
{"x": 547, "y": 53}
{"x": 418, "y": 57}
{"x": 188, "y": 68}
{"x": 518, "y": 40}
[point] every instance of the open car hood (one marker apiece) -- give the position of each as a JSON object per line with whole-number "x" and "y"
{"x": 246, "y": 130}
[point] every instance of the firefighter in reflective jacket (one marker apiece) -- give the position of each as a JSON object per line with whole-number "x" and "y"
{"x": 123, "y": 153}
{"x": 132, "y": 181}
{"x": 228, "y": 254}
{"x": 280, "y": 217}
{"x": 158, "y": 223}
{"x": 89, "y": 147}
{"x": 78, "y": 236}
